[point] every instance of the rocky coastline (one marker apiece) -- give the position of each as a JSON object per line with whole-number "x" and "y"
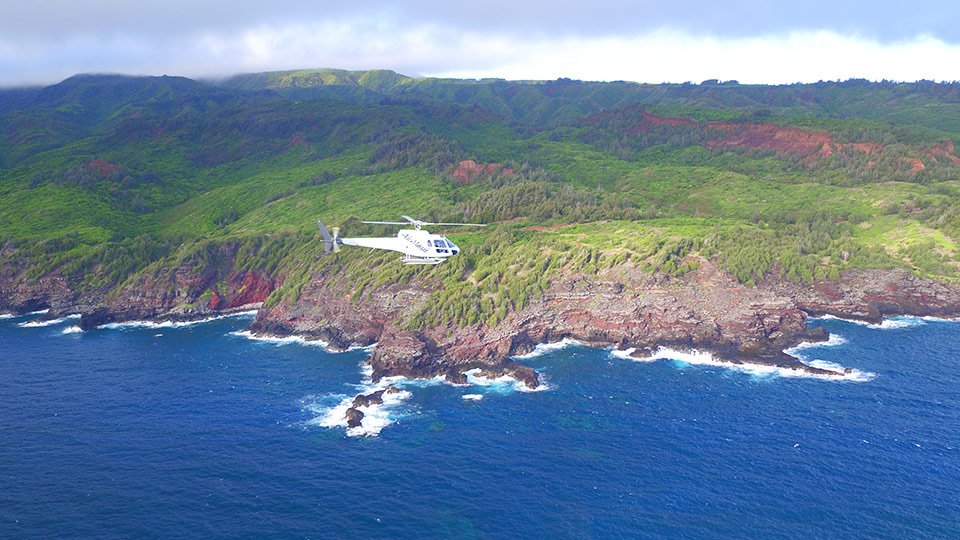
{"x": 706, "y": 310}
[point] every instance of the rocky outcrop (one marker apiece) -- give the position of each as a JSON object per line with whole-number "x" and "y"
{"x": 176, "y": 294}
{"x": 705, "y": 310}
{"x": 373, "y": 398}
{"x": 354, "y": 417}
{"x": 870, "y": 295}
{"x": 622, "y": 307}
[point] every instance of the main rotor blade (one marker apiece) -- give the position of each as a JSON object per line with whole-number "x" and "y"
{"x": 410, "y": 219}
{"x": 386, "y": 222}
{"x": 465, "y": 224}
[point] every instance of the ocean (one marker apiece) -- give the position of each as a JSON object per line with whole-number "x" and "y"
{"x": 198, "y": 430}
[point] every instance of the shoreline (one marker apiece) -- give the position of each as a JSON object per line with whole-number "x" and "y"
{"x": 688, "y": 354}
{"x": 364, "y": 416}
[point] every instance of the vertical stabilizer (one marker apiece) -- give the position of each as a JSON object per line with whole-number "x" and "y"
{"x": 329, "y": 242}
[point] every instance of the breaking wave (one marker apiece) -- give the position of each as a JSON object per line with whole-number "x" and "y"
{"x": 298, "y": 340}
{"x": 695, "y": 357}
{"x": 543, "y": 348}
{"x": 72, "y": 330}
{"x": 46, "y": 322}
{"x": 15, "y": 316}
{"x": 375, "y": 417}
{"x": 891, "y": 323}
{"x": 174, "y": 324}
{"x": 504, "y": 384}
{"x": 285, "y": 340}
{"x": 834, "y": 341}
{"x": 331, "y": 409}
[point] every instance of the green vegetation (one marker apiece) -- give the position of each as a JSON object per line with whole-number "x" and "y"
{"x": 111, "y": 179}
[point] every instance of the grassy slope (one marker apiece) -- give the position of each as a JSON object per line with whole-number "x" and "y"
{"x": 258, "y": 170}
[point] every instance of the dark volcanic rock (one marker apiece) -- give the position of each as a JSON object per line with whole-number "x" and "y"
{"x": 354, "y": 417}
{"x": 524, "y": 374}
{"x": 175, "y": 294}
{"x": 706, "y": 309}
{"x": 374, "y": 398}
{"x": 870, "y": 295}
{"x": 365, "y": 400}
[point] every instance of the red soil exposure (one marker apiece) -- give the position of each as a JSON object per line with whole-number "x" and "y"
{"x": 813, "y": 145}
{"x": 216, "y": 302}
{"x": 650, "y": 120}
{"x": 915, "y": 165}
{"x": 250, "y": 288}
{"x": 102, "y": 167}
{"x": 763, "y": 137}
{"x": 944, "y": 151}
{"x": 468, "y": 170}
{"x": 769, "y": 137}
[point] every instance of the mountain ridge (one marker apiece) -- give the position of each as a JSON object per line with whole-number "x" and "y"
{"x": 737, "y": 209}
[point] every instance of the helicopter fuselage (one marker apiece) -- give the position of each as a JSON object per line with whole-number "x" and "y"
{"x": 419, "y": 246}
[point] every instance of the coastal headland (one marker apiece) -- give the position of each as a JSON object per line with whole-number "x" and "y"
{"x": 711, "y": 219}
{"x": 705, "y": 310}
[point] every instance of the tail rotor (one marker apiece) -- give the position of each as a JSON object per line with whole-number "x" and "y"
{"x": 329, "y": 241}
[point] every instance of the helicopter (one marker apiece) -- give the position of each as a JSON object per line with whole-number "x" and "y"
{"x": 417, "y": 245}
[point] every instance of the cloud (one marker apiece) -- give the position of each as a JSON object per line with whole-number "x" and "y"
{"x": 677, "y": 56}
{"x": 378, "y": 39}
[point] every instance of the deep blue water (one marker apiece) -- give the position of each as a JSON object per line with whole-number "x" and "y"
{"x": 196, "y": 432}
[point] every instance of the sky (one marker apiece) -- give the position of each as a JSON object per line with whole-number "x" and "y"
{"x": 752, "y": 41}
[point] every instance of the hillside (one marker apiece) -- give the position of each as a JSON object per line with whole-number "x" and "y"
{"x": 168, "y": 197}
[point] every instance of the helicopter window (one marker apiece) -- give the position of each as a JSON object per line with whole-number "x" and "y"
{"x": 429, "y": 243}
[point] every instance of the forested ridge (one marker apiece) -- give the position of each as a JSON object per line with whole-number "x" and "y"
{"x": 108, "y": 179}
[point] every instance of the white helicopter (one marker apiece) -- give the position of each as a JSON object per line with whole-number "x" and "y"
{"x": 418, "y": 246}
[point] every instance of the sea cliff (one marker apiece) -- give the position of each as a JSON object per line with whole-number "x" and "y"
{"x": 706, "y": 310}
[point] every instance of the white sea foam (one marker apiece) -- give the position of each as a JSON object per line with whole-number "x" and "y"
{"x": 543, "y": 348}
{"x": 375, "y": 417}
{"x": 503, "y": 384}
{"x": 331, "y": 409}
{"x": 940, "y": 319}
{"x": 834, "y": 341}
{"x": 47, "y": 322}
{"x": 299, "y": 340}
{"x": 855, "y": 375}
{"x": 891, "y": 323}
{"x": 899, "y": 322}
{"x": 695, "y": 357}
{"x": 15, "y": 316}
{"x": 282, "y": 340}
{"x": 625, "y": 353}
{"x": 174, "y": 324}
{"x": 72, "y": 330}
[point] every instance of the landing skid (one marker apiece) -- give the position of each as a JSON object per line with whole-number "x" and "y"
{"x": 413, "y": 259}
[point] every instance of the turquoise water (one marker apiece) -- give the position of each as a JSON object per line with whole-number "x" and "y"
{"x": 197, "y": 431}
